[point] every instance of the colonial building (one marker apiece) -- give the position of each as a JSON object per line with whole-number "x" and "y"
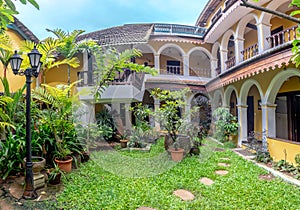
{"x": 236, "y": 56}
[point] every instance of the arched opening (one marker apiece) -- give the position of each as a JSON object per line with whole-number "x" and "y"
{"x": 147, "y": 57}
{"x": 171, "y": 61}
{"x": 288, "y": 110}
{"x": 199, "y": 64}
{"x": 203, "y": 116}
{"x": 233, "y": 103}
{"x": 254, "y": 113}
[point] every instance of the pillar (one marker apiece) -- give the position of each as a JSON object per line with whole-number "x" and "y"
{"x": 156, "y": 107}
{"x": 186, "y": 64}
{"x": 263, "y": 31}
{"x": 239, "y": 47}
{"x": 268, "y": 123}
{"x": 223, "y": 54}
{"x": 243, "y": 124}
{"x": 128, "y": 123}
{"x": 156, "y": 63}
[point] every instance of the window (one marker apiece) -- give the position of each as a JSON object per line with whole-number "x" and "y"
{"x": 173, "y": 67}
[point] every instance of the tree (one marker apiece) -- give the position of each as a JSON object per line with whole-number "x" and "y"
{"x": 8, "y": 10}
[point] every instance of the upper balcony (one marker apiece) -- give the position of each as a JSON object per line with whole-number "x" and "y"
{"x": 178, "y": 30}
{"x": 125, "y": 85}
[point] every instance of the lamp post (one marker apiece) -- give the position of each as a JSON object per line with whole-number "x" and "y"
{"x": 15, "y": 62}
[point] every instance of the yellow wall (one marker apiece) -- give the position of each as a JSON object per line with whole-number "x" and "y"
{"x": 60, "y": 74}
{"x": 277, "y": 150}
{"x": 292, "y": 84}
{"x": 16, "y": 82}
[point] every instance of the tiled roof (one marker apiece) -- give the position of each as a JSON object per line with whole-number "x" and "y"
{"x": 23, "y": 30}
{"x": 120, "y": 35}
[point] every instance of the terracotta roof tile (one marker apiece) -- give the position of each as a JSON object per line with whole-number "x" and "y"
{"x": 120, "y": 35}
{"x": 28, "y": 34}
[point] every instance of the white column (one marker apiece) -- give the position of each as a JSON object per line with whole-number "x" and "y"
{"x": 86, "y": 113}
{"x": 186, "y": 64}
{"x": 239, "y": 46}
{"x": 243, "y": 124}
{"x": 263, "y": 31}
{"x": 156, "y": 62}
{"x": 223, "y": 54}
{"x": 187, "y": 108}
{"x": 269, "y": 119}
{"x": 213, "y": 66}
{"x": 156, "y": 107}
{"x": 128, "y": 123}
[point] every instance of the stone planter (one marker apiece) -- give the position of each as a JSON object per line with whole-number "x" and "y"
{"x": 38, "y": 164}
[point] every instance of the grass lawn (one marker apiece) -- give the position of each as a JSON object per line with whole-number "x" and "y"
{"x": 128, "y": 180}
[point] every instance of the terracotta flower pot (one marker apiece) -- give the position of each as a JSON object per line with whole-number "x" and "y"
{"x": 64, "y": 165}
{"x": 124, "y": 143}
{"x": 176, "y": 155}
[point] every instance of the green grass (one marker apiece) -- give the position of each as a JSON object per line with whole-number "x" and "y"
{"x": 124, "y": 180}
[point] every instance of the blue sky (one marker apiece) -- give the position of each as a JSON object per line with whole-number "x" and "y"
{"x": 92, "y": 15}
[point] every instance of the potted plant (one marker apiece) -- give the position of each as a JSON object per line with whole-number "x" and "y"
{"x": 54, "y": 175}
{"x": 123, "y": 139}
{"x": 38, "y": 164}
{"x": 63, "y": 157}
{"x": 225, "y": 123}
{"x": 169, "y": 117}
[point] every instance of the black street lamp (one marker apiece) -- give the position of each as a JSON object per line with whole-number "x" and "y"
{"x": 15, "y": 62}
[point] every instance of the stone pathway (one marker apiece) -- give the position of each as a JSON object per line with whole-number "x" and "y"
{"x": 206, "y": 181}
{"x": 224, "y": 164}
{"x": 145, "y": 208}
{"x": 184, "y": 195}
{"x": 224, "y": 158}
{"x": 221, "y": 172}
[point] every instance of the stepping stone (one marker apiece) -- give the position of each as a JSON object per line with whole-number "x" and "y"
{"x": 184, "y": 195}
{"x": 224, "y": 164}
{"x": 206, "y": 181}
{"x": 219, "y": 149}
{"x": 221, "y": 172}
{"x": 224, "y": 158}
{"x": 145, "y": 208}
{"x": 267, "y": 177}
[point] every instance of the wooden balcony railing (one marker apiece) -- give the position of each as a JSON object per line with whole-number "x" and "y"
{"x": 230, "y": 62}
{"x": 282, "y": 37}
{"x": 250, "y": 51}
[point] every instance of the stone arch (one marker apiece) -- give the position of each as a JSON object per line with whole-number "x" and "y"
{"x": 227, "y": 94}
{"x": 242, "y": 99}
{"x": 141, "y": 46}
{"x": 225, "y": 39}
{"x": 200, "y": 49}
{"x": 243, "y": 23}
{"x": 215, "y": 49}
{"x": 218, "y": 94}
{"x": 277, "y": 82}
{"x": 165, "y": 46}
{"x": 273, "y": 5}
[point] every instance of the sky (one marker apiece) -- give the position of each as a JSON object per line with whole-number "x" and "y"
{"x": 93, "y": 15}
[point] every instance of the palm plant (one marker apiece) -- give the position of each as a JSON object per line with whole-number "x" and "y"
{"x": 69, "y": 46}
{"x": 50, "y": 58}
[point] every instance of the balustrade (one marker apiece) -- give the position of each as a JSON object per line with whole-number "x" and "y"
{"x": 250, "y": 51}
{"x": 230, "y": 62}
{"x": 282, "y": 37}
